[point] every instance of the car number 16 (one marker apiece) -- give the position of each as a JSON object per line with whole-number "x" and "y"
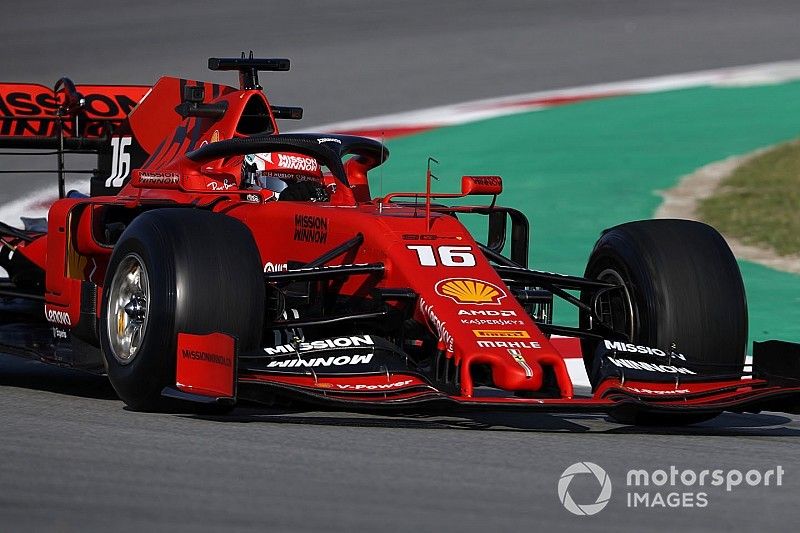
{"x": 451, "y": 256}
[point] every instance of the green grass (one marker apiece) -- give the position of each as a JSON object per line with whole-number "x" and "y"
{"x": 759, "y": 203}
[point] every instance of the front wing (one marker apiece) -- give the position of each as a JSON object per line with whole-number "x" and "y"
{"x": 773, "y": 384}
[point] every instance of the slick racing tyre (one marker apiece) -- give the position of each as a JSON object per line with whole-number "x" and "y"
{"x": 681, "y": 286}
{"x": 176, "y": 270}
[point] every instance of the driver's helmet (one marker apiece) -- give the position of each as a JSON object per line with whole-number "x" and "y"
{"x": 276, "y": 171}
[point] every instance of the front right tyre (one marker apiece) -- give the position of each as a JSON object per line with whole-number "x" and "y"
{"x": 680, "y": 285}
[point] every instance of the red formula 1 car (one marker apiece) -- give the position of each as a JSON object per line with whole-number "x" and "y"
{"x": 215, "y": 261}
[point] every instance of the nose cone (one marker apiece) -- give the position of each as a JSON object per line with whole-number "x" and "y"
{"x": 513, "y": 371}
{"x": 510, "y": 372}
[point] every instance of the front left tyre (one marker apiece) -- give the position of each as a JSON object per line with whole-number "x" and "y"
{"x": 172, "y": 271}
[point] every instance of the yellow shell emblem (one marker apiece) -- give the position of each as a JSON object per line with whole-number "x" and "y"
{"x": 470, "y": 291}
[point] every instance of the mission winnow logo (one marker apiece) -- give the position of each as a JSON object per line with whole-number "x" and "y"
{"x": 353, "y": 341}
{"x": 209, "y": 357}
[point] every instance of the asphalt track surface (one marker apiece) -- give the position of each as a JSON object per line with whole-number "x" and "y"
{"x": 73, "y": 459}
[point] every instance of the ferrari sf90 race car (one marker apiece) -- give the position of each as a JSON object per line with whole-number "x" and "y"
{"x": 217, "y": 260}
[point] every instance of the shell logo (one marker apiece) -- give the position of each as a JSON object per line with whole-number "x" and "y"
{"x": 470, "y": 291}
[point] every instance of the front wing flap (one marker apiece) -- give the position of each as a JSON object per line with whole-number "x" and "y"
{"x": 404, "y": 390}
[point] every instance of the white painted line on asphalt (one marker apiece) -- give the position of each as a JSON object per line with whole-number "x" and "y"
{"x": 577, "y": 372}
{"x": 760, "y": 74}
{"x": 35, "y": 204}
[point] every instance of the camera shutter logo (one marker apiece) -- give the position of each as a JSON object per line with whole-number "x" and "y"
{"x": 589, "y": 508}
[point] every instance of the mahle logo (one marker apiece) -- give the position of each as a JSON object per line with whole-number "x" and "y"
{"x": 586, "y": 509}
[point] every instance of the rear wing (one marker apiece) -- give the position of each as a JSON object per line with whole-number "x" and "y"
{"x": 35, "y": 116}
{"x": 68, "y": 118}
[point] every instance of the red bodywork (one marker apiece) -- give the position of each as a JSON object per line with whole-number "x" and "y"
{"x": 460, "y": 296}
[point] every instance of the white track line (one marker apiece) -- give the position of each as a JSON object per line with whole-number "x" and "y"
{"x": 760, "y": 74}
{"x": 36, "y": 203}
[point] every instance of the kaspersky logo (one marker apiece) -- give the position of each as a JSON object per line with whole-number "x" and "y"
{"x": 470, "y": 291}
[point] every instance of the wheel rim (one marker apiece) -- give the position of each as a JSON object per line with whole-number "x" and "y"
{"x": 616, "y": 307}
{"x": 128, "y": 308}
